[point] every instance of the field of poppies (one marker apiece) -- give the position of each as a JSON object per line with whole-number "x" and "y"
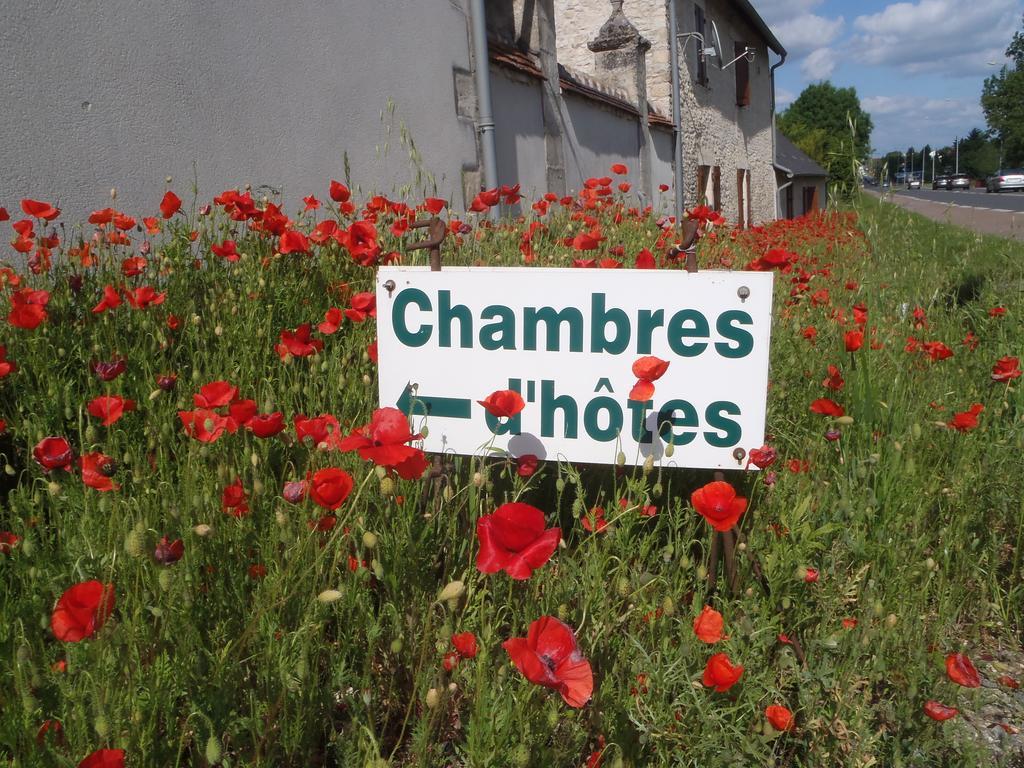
{"x": 218, "y": 548}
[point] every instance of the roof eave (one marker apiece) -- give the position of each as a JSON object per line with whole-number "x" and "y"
{"x": 760, "y": 26}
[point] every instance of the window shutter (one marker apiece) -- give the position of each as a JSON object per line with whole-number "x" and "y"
{"x": 702, "y": 184}
{"x": 716, "y": 182}
{"x": 739, "y": 198}
{"x": 742, "y": 75}
{"x": 750, "y": 200}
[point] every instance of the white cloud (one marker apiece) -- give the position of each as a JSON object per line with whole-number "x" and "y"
{"x": 946, "y": 36}
{"x": 775, "y": 11}
{"x": 783, "y": 97}
{"x": 819, "y": 64}
{"x": 902, "y": 120}
{"x": 802, "y": 34}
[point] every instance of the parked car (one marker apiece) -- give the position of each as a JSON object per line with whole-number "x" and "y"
{"x": 940, "y": 182}
{"x": 959, "y": 181}
{"x": 1009, "y": 178}
{"x": 913, "y": 183}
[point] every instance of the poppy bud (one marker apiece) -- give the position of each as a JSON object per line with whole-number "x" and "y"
{"x": 648, "y": 465}
{"x": 202, "y": 530}
{"x": 433, "y": 698}
{"x": 560, "y": 485}
{"x": 656, "y": 491}
{"x": 521, "y": 755}
{"x": 623, "y": 587}
{"x": 845, "y": 420}
{"x": 387, "y": 487}
{"x": 101, "y": 725}
{"x": 702, "y": 572}
{"x": 329, "y": 596}
{"x": 930, "y": 564}
{"x": 453, "y": 591}
{"x": 396, "y": 645}
{"x": 369, "y": 539}
{"x": 53, "y": 488}
{"x": 213, "y": 752}
{"x": 135, "y": 542}
{"x": 668, "y": 606}
{"x": 8, "y": 470}
{"x": 915, "y": 431}
{"x": 620, "y": 460}
{"x": 113, "y": 193}
{"x": 164, "y": 579}
{"x": 891, "y": 620}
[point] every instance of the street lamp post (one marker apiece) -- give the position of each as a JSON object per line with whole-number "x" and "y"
{"x": 956, "y": 143}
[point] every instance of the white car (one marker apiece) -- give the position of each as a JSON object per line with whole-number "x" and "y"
{"x": 1010, "y": 178}
{"x": 914, "y": 183}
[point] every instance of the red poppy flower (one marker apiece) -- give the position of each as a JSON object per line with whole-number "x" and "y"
{"x": 594, "y": 521}
{"x": 266, "y": 425}
{"x": 226, "y": 250}
{"x": 97, "y": 469}
{"x": 53, "y": 453}
{"x": 332, "y": 321}
{"x": 202, "y": 424}
{"x": 645, "y": 260}
{"x": 104, "y": 758}
{"x": 82, "y": 610}
{"x": 834, "y": 380}
{"x": 936, "y": 350}
{"x": 1005, "y": 369}
{"x": 762, "y": 457}
{"x": 780, "y": 717}
{"x": 169, "y": 205}
{"x": 109, "y": 370}
{"x": 39, "y": 210}
{"x": 293, "y": 241}
{"x": 330, "y": 487}
{"x": 849, "y": 623}
{"x": 8, "y": 541}
{"x": 362, "y": 306}
{"x": 240, "y": 413}
{"x": 318, "y": 431}
{"x": 7, "y": 367}
{"x": 124, "y": 222}
{"x": 513, "y": 539}
{"x": 435, "y": 205}
{"x": 940, "y": 712}
{"x": 465, "y": 644}
{"x": 215, "y": 394}
{"x": 708, "y": 625}
{"x": 1008, "y": 681}
{"x": 549, "y": 656}
{"x": 28, "y": 308}
{"x": 383, "y": 441}
{"x": 111, "y": 300}
{"x": 967, "y": 420}
{"x": 311, "y": 203}
{"x": 997, "y": 312}
{"x": 257, "y": 571}
{"x": 718, "y": 503}
{"x": 110, "y": 408}
{"x": 339, "y": 192}
{"x": 720, "y": 673}
{"x": 526, "y": 465}
{"x": 854, "y": 340}
{"x": 505, "y": 403}
{"x": 233, "y": 500}
{"x": 811, "y": 576}
{"x": 961, "y": 671}
{"x": 294, "y": 491}
{"x": 827, "y": 407}
{"x": 168, "y": 552}
{"x": 360, "y": 239}
{"x": 298, "y": 343}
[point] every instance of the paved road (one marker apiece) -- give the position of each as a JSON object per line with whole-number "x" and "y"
{"x": 975, "y": 198}
{"x": 990, "y": 214}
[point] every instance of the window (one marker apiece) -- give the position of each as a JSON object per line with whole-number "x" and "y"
{"x": 789, "y": 202}
{"x": 699, "y": 28}
{"x": 742, "y": 75}
{"x": 744, "y": 207}
{"x": 703, "y": 174}
{"x": 810, "y": 198}
{"x": 716, "y": 185}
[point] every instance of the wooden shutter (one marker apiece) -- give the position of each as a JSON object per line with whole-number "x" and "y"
{"x": 740, "y": 202}
{"x": 750, "y": 200}
{"x": 716, "y": 183}
{"x": 742, "y": 75}
{"x": 702, "y": 183}
{"x": 814, "y": 198}
{"x": 698, "y": 26}
{"x": 789, "y": 202}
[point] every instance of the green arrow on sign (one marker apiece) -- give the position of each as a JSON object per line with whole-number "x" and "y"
{"x": 441, "y": 407}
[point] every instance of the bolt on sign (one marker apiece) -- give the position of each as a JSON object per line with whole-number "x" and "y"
{"x": 566, "y": 340}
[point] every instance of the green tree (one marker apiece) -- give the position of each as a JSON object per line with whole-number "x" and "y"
{"x": 829, "y": 125}
{"x": 1002, "y": 99}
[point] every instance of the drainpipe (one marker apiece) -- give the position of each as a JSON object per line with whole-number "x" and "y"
{"x": 485, "y": 115}
{"x": 677, "y": 118}
{"x": 771, "y": 74}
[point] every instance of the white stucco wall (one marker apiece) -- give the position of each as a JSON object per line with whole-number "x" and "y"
{"x": 596, "y": 137}
{"x": 519, "y": 131}
{"x": 126, "y": 92}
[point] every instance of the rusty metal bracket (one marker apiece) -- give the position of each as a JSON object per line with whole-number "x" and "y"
{"x": 437, "y": 230}
{"x": 687, "y": 246}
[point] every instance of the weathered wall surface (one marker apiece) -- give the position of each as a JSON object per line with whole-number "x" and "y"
{"x": 519, "y": 131}
{"x": 126, "y": 92}
{"x": 716, "y": 132}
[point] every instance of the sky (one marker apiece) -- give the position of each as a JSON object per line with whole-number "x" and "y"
{"x": 918, "y": 66}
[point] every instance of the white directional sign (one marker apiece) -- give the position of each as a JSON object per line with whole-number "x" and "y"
{"x": 566, "y": 340}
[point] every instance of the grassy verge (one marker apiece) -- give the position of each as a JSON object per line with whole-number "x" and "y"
{"x": 290, "y": 634}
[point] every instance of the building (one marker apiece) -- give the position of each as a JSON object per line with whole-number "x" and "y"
{"x": 801, "y": 181}
{"x": 388, "y": 96}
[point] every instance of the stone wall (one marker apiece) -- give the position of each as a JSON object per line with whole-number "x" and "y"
{"x": 716, "y": 132}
